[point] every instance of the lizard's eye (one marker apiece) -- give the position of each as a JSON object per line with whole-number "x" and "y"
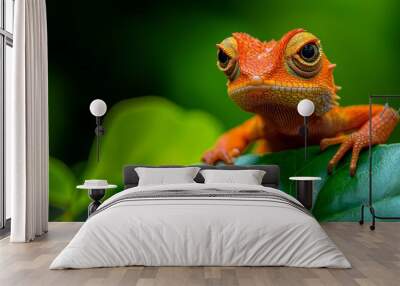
{"x": 306, "y": 62}
{"x": 303, "y": 55}
{"x": 223, "y": 58}
{"x": 227, "y": 58}
{"x": 309, "y": 52}
{"x": 227, "y": 63}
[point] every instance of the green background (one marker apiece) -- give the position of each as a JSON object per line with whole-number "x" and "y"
{"x": 163, "y": 54}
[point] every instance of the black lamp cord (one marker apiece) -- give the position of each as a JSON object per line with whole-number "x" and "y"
{"x": 305, "y": 137}
{"x": 98, "y": 134}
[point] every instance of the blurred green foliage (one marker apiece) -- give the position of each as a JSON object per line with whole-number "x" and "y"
{"x": 159, "y": 133}
{"x": 62, "y": 195}
{"x": 151, "y": 130}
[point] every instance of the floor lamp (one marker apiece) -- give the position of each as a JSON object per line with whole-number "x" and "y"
{"x": 370, "y": 202}
{"x": 98, "y": 108}
{"x": 305, "y": 108}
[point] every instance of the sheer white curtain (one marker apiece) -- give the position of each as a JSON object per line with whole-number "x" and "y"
{"x": 27, "y": 124}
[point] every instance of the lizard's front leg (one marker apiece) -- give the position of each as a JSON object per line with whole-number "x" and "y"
{"x": 382, "y": 123}
{"x": 232, "y": 143}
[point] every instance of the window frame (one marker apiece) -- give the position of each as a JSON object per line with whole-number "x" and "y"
{"x": 6, "y": 39}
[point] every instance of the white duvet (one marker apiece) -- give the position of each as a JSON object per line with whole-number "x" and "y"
{"x": 200, "y": 231}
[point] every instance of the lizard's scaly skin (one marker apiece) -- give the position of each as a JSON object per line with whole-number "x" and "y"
{"x": 269, "y": 79}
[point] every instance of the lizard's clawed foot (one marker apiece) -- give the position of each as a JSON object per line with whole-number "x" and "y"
{"x": 355, "y": 141}
{"x": 220, "y": 154}
{"x": 382, "y": 126}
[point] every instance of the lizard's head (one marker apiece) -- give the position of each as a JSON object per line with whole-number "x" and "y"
{"x": 277, "y": 73}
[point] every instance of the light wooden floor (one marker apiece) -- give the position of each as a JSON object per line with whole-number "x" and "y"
{"x": 375, "y": 257}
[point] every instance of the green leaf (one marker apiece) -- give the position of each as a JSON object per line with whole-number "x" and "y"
{"x": 148, "y": 130}
{"x": 338, "y": 197}
{"x": 62, "y": 191}
{"x": 151, "y": 130}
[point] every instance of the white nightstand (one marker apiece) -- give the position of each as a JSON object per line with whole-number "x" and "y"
{"x": 96, "y": 193}
{"x": 304, "y": 190}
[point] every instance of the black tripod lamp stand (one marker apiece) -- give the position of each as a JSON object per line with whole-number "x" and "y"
{"x": 370, "y": 203}
{"x": 98, "y": 108}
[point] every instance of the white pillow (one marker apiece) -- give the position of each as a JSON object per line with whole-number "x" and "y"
{"x": 163, "y": 176}
{"x": 248, "y": 177}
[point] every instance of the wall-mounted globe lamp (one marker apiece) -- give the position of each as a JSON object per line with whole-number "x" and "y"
{"x": 305, "y": 108}
{"x": 98, "y": 108}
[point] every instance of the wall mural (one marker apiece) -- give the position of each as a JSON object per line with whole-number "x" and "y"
{"x": 155, "y": 67}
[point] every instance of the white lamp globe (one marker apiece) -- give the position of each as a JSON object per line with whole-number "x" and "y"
{"x": 305, "y": 107}
{"x": 98, "y": 107}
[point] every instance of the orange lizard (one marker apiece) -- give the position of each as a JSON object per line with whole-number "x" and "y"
{"x": 270, "y": 78}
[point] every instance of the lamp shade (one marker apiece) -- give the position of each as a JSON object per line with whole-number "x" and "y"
{"x": 98, "y": 107}
{"x": 305, "y": 107}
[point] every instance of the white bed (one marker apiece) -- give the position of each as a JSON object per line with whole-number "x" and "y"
{"x": 206, "y": 230}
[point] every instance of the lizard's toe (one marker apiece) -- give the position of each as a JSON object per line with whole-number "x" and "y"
{"x": 358, "y": 145}
{"x": 346, "y": 146}
{"x": 353, "y": 171}
{"x": 326, "y": 142}
{"x": 220, "y": 154}
{"x": 330, "y": 168}
{"x": 226, "y": 157}
{"x": 209, "y": 157}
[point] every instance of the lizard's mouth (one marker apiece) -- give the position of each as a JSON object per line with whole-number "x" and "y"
{"x": 254, "y": 97}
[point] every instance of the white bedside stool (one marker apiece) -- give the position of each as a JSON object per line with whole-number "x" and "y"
{"x": 304, "y": 190}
